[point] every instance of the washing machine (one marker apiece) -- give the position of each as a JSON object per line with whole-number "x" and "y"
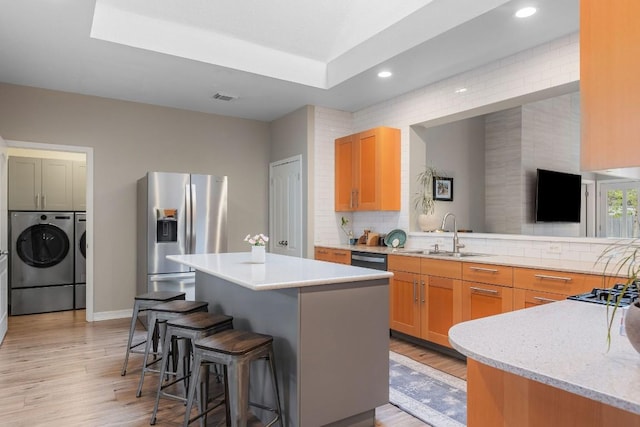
{"x": 80, "y": 281}
{"x": 41, "y": 261}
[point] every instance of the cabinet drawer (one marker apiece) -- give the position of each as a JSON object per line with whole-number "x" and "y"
{"x": 560, "y": 282}
{"x": 525, "y": 298}
{"x": 488, "y": 273}
{"x": 435, "y": 267}
{"x": 341, "y": 256}
{"x": 403, "y": 263}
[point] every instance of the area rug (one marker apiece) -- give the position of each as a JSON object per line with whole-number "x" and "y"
{"x": 435, "y": 397}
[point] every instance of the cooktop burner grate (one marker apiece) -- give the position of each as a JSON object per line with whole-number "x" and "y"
{"x": 612, "y": 295}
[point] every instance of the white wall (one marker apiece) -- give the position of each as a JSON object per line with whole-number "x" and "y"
{"x": 130, "y": 139}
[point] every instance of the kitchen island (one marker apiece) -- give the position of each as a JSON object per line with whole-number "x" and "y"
{"x": 549, "y": 366}
{"x": 330, "y": 324}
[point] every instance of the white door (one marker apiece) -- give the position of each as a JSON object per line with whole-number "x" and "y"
{"x": 285, "y": 206}
{"x": 4, "y": 258}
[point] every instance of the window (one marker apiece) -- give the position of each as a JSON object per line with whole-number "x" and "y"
{"x": 619, "y": 213}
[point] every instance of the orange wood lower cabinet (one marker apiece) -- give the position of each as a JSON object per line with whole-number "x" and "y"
{"x": 482, "y": 300}
{"x": 496, "y": 398}
{"x": 404, "y": 303}
{"x": 441, "y": 309}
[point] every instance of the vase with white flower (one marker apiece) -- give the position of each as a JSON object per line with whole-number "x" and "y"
{"x": 258, "y": 247}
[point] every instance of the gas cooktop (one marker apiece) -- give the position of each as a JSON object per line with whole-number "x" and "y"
{"x": 611, "y": 295}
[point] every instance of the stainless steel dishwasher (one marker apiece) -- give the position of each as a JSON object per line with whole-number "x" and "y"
{"x": 369, "y": 260}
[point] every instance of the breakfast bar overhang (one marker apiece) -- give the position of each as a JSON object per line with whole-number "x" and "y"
{"x": 330, "y": 324}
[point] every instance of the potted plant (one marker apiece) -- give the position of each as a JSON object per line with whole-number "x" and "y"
{"x": 349, "y": 233}
{"x": 423, "y": 201}
{"x": 622, "y": 259}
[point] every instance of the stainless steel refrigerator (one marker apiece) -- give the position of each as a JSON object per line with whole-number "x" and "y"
{"x": 178, "y": 213}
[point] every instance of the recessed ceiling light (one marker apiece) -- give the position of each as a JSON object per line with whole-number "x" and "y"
{"x": 526, "y": 12}
{"x": 384, "y": 74}
{"x": 461, "y": 90}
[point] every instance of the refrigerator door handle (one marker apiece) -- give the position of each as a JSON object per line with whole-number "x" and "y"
{"x": 194, "y": 220}
{"x": 188, "y": 212}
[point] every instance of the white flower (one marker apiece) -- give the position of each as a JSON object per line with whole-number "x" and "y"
{"x": 257, "y": 240}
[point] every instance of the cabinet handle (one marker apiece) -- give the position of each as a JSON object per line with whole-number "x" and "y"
{"x": 44, "y": 201}
{"x": 422, "y": 292}
{"x": 415, "y": 295}
{"x": 546, "y": 276}
{"x": 351, "y": 200}
{"x": 487, "y": 291}
{"x": 38, "y": 201}
{"x": 485, "y": 270}
{"x": 321, "y": 251}
{"x": 545, "y": 300}
{"x": 356, "y": 198}
{"x": 339, "y": 254}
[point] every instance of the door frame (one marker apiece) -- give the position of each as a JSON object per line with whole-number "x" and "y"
{"x": 88, "y": 151}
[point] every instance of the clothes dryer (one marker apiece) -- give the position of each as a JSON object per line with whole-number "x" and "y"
{"x": 80, "y": 280}
{"x": 41, "y": 261}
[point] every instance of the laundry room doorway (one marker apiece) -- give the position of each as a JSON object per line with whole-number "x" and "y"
{"x": 53, "y": 180}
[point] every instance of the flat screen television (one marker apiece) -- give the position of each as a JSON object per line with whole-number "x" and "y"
{"x": 558, "y": 196}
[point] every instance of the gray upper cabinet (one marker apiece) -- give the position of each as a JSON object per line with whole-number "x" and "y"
{"x": 40, "y": 184}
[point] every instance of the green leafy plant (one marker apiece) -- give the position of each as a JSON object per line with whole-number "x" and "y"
{"x": 620, "y": 259}
{"x": 343, "y": 224}
{"x": 423, "y": 201}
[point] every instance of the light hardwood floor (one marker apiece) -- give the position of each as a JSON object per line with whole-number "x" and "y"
{"x": 58, "y": 370}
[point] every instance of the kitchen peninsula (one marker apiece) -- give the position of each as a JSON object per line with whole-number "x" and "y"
{"x": 330, "y": 324}
{"x": 549, "y": 365}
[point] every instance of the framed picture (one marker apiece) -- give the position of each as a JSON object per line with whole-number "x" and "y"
{"x": 443, "y": 189}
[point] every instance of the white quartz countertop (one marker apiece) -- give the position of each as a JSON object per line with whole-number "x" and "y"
{"x": 562, "y": 344}
{"x": 278, "y": 272}
{"x": 495, "y": 259}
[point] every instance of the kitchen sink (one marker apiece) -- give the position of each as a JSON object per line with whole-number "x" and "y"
{"x": 452, "y": 254}
{"x": 438, "y": 253}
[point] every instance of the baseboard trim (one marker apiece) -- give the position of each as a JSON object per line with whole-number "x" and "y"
{"x": 110, "y": 315}
{"x": 428, "y": 344}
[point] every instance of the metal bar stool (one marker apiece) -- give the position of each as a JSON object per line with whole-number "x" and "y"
{"x": 191, "y": 327}
{"x": 142, "y": 303}
{"x": 235, "y": 350}
{"x": 158, "y": 316}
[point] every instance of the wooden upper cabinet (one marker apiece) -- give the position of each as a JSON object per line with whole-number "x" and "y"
{"x": 367, "y": 168}
{"x": 609, "y": 85}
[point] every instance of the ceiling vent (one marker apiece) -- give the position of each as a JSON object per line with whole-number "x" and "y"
{"x": 223, "y": 97}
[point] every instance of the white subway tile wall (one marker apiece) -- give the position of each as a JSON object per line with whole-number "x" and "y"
{"x": 549, "y": 65}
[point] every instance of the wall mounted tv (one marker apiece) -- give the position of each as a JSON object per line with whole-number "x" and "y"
{"x": 558, "y": 196}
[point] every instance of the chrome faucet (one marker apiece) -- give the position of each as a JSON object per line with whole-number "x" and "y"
{"x": 456, "y": 242}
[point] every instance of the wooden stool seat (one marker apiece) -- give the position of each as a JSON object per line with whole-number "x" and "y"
{"x": 199, "y": 321}
{"x": 142, "y": 303}
{"x": 235, "y": 350}
{"x": 160, "y": 296}
{"x": 189, "y": 327}
{"x": 158, "y": 316}
{"x": 234, "y": 342}
{"x": 179, "y": 307}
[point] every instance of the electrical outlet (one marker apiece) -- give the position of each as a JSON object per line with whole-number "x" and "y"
{"x": 555, "y": 248}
